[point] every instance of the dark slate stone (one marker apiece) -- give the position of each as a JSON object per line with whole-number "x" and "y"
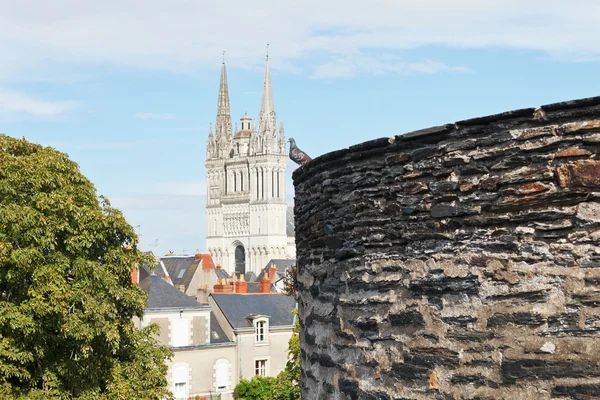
{"x": 524, "y": 112}
{"x": 410, "y": 372}
{"x": 440, "y": 284}
{"x": 476, "y": 380}
{"x": 442, "y": 211}
{"x": 533, "y": 369}
{"x": 518, "y": 318}
{"x": 586, "y": 102}
{"x": 589, "y": 391}
{"x": 407, "y": 318}
{"x": 430, "y": 357}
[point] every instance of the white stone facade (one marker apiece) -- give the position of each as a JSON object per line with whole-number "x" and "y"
{"x": 246, "y": 187}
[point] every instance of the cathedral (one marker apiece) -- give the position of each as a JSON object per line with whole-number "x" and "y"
{"x": 246, "y": 209}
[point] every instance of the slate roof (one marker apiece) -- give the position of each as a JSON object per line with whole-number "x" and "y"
{"x": 237, "y": 308}
{"x": 181, "y": 269}
{"x": 281, "y": 264}
{"x": 217, "y": 335}
{"x": 250, "y": 276}
{"x": 163, "y": 295}
{"x": 289, "y": 222}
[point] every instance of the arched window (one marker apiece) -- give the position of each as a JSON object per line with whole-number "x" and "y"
{"x": 240, "y": 260}
{"x": 242, "y": 181}
{"x": 234, "y": 181}
{"x": 222, "y": 380}
{"x": 257, "y": 183}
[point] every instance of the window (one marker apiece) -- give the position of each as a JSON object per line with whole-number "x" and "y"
{"x": 180, "y": 380}
{"x": 261, "y": 330}
{"x": 222, "y": 374}
{"x": 180, "y": 332}
{"x": 181, "y": 273}
{"x": 260, "y": 367}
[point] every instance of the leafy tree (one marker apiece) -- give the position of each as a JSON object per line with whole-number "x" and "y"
{"x": 258, "y": 388}
{"x": 287, "y": 384}
{"x": 66, "y": 296}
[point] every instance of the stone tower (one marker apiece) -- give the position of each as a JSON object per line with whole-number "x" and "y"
{"x": 246, "y": 170}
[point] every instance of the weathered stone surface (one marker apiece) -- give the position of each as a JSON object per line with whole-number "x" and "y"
{"x": 579, "y": 173}
{"x": 468, "y": 253}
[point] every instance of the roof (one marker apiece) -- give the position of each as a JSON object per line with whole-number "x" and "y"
{"x": 237, "y": 308}
{"x": 281, "y": 264}
{"x": 181, "y": 269}
{"x": 250, "y": 276}
{"x": 163, "y": 295}
{"x": 289, "y": 222}
{"x": 217, "y": 335}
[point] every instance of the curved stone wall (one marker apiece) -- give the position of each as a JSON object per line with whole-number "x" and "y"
{"x": 456, "y": 262}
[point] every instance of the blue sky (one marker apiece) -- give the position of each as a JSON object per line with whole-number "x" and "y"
{"x": 128, "y": 88}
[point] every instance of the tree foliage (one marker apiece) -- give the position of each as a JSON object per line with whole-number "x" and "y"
{"x": 66, "y": 296}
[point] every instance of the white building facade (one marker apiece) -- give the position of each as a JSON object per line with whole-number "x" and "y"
{"x": 246, "y": 186}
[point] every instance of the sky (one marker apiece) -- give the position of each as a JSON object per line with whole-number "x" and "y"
{"x": 128, "y": 88}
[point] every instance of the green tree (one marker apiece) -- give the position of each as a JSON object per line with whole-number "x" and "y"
{"x": 258, "y": 388}
{"x": 66, "y": 296}
{"x": 287, "y": 383}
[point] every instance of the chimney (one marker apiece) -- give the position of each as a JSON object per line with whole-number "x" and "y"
{"x": 241, "y": 286}
{"x": 202, "y": 294}
{"x": 223, "y": 287}
{"x": 265, "y": 285}
{"x": 135, "y": 276}
{"x": 207, "y": 262}
{"x": 219, "y": 266}
{"x": 197, "y": 256}
{"x": 272, "y": 271}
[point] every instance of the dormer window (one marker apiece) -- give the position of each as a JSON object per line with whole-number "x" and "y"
{"x": 261, "y": 330}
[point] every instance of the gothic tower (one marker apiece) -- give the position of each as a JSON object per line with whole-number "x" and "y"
{"x": 246, "y": 170}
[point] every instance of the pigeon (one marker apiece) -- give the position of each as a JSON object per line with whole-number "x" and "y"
{"x": 297, "y": 155}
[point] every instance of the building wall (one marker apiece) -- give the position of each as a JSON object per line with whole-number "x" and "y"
{"x": 275, "y": 352}
{"x": 462, "y": 259}
{"x": 201, "y": 366}
{"x": 198, "y": 323}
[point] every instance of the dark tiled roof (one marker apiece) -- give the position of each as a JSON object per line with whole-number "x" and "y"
{"x": 216, "y": 332}
{"x": 250, "y": 276}
{"x": 238, "y": 307}
{"x": 281, "y": 265}
{"x": 221, "y": 273}
{"x": 289, "y": 222}
{"x": 181, "y": 269}
{"x": 163, "y": 295}
{"x": 144, "y": 272}
{"x": 253, "y": 287}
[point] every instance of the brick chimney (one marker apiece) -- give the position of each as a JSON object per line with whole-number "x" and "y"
{"x": 272, "y": 271}
{"x": 241, "y": 286}
{"x": 207, "y": 262}
{"x": 265, "y": 285}
{"x": 197, "y": 256}
{"x": 223, "y": 287}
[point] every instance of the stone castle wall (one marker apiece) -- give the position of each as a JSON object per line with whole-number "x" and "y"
{"x": 457, "y": 262}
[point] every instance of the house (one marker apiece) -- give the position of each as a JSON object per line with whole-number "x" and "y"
{"x": 204, "y": 361}
{"x": 261, "y": 325}
{"x": 215, "y": 344}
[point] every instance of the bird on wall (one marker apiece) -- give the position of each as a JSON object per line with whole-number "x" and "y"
{"x": 297, "y": 155}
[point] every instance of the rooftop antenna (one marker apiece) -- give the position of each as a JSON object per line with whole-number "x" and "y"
{"x": 223, "y": 56}
{"x": 267, "y": 51}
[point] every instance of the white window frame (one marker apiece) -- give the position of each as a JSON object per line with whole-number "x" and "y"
{"x": 261, "y": 331}
{"x": 261, "y": 367}
{"x": 180, "y": 332}
{"x": 181, "y": 376}
{"x": 222, "y": 366}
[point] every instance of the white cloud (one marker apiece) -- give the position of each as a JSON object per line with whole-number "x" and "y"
{"x": 13, "y": 101}
{"x": 147, "y": 115}
{"x": 185, "y": 36}
{"x": 352, "y": 66}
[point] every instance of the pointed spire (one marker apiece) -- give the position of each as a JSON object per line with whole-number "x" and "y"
{"x": 223, "y": 107}
{"x": 223, "y": 124}
{"x": 210, "y": 132}
{"x": 267, "y": 124}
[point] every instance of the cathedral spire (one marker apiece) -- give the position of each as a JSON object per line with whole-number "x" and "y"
{"x": 223, "y": 107}
{"x": 267, "y": 125}
{"x": 223, "y": 123}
